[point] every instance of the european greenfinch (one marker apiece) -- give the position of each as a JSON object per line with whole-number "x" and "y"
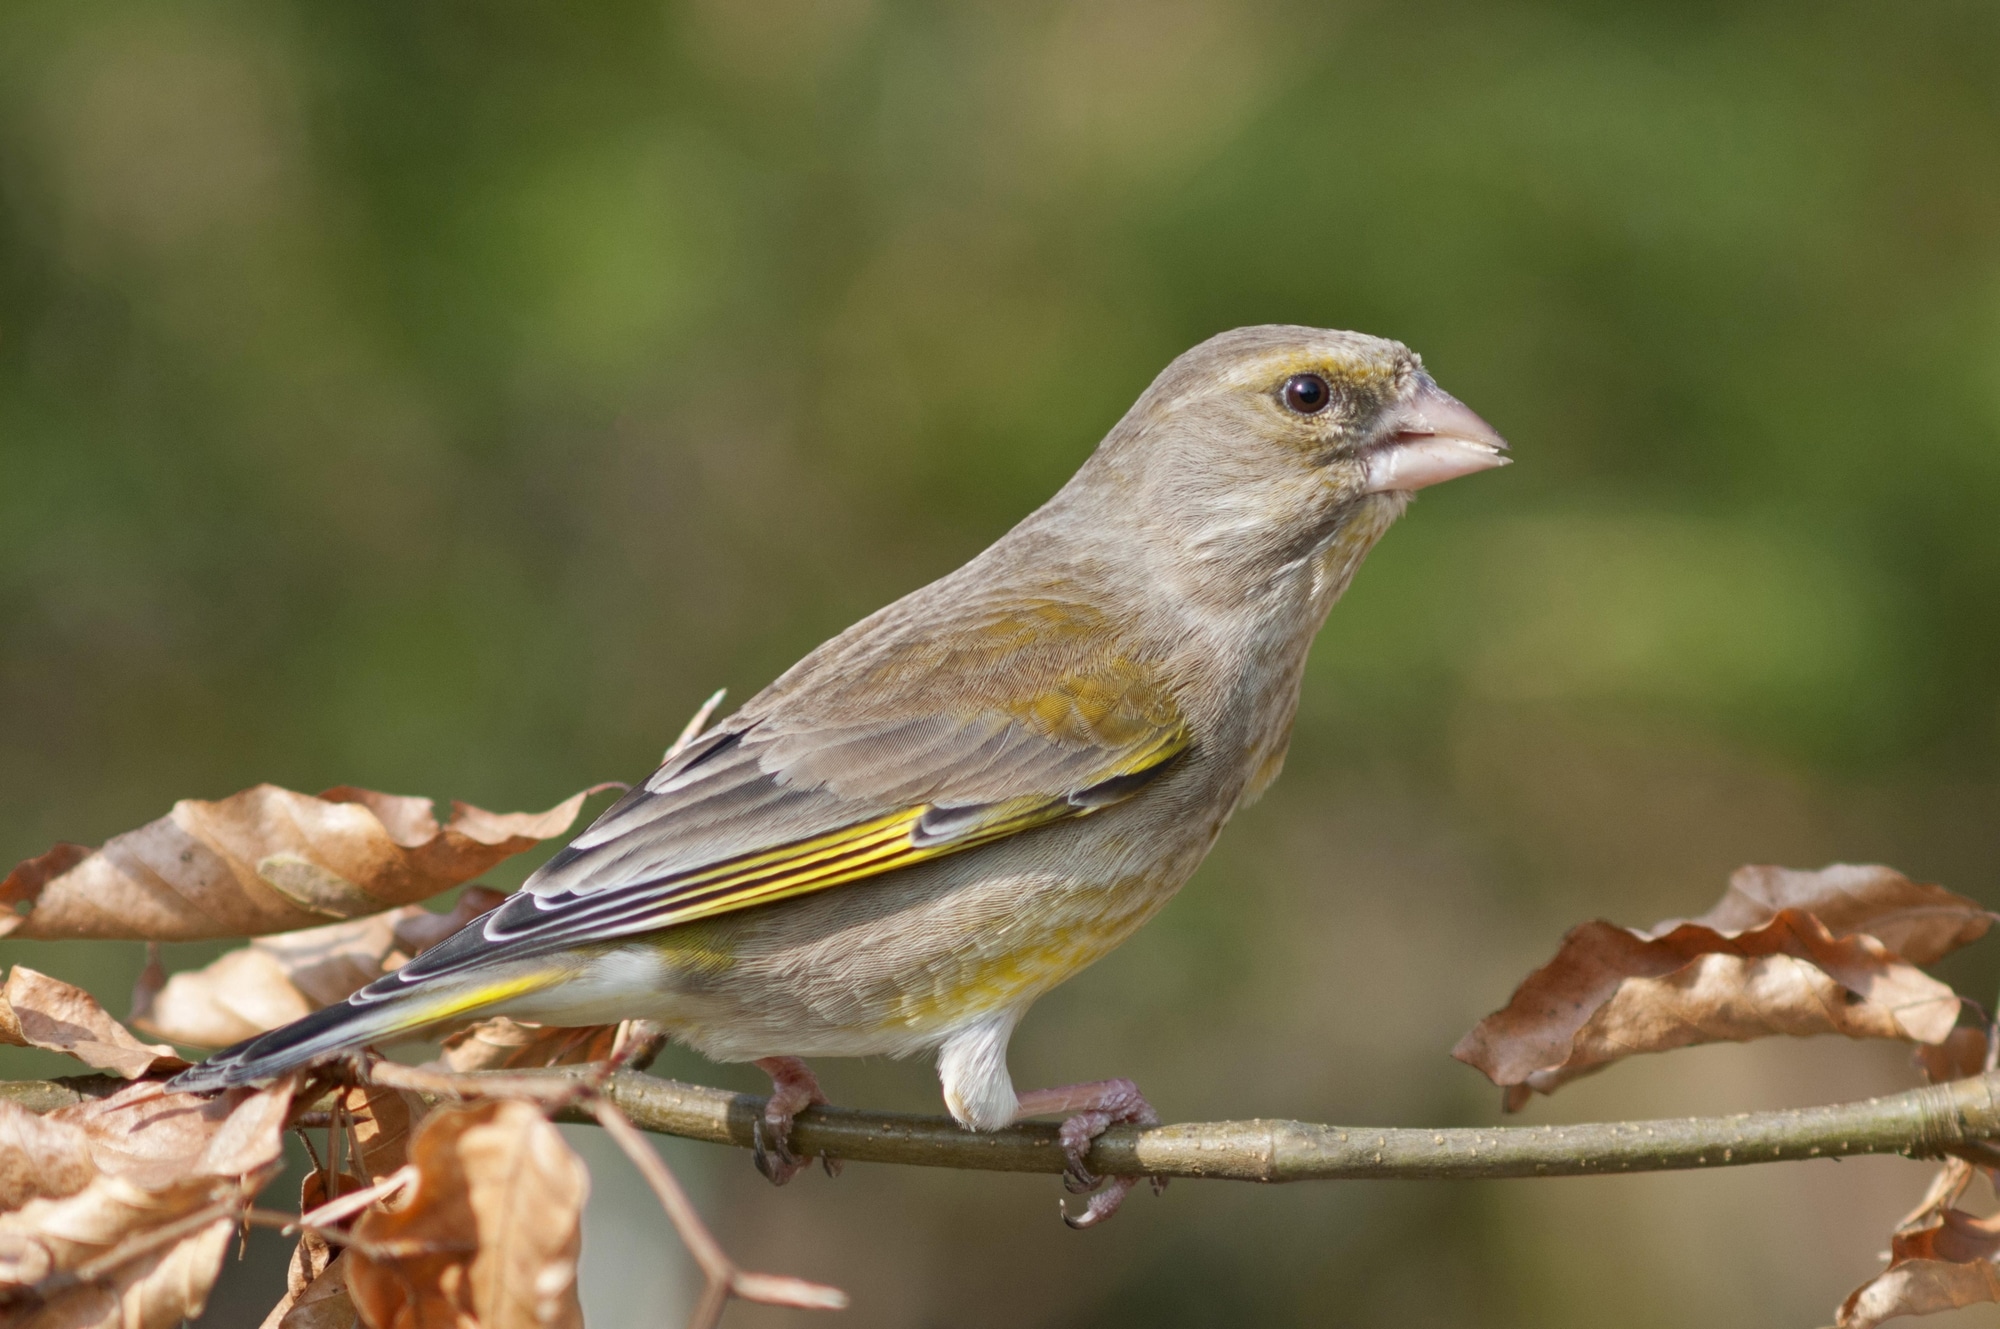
{"x": 970, "y": 795}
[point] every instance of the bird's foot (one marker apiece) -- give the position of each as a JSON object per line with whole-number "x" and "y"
{"x": 1093, "y": 1108}
{"x": 794, "y": 1088}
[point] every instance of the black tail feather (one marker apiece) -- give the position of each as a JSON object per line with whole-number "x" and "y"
{"x": 316, "y": 1037}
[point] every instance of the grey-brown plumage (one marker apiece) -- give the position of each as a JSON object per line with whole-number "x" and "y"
{"x": 973, "y": 793}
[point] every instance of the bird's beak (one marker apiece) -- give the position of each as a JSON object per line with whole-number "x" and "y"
{"x": 1428, "y": 439}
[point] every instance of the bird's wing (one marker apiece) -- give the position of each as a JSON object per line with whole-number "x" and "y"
{"x": 876, "y": 753}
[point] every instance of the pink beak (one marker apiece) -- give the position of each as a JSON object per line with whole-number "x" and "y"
{"x": 1434, "y": 438}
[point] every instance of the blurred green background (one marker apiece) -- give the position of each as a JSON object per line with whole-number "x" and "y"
{"x": 445, "y": 398}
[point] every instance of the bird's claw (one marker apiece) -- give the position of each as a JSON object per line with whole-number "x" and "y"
{"x": 1121, "y": 1101}
{"x": 1099, "y": 1206}
{"x": 774, "y": 1158}
{"x": 793, "y": 1089}
{"x": 1076, "y": 1135}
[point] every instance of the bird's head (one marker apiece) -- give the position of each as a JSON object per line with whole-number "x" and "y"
{"x": 1259, "y": 447}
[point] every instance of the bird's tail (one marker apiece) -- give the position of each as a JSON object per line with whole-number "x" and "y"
{"x": 385, "y": 1010}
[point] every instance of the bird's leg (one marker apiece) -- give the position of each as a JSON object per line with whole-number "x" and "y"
{"x": 794, "y": 1088}
{"x": 1091, "y": 1109}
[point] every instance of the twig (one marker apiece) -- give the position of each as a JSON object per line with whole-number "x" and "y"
{"x": 344, "y": 1207}
{"x": 1927, "y": 1122}
{"x": 375, "y": 1250}
{"x": 224, "y": 1209}
{"x": 216, "y": 1211}
{"x": 725, "y": 1280}
{"x": 549, "y": 1091}
{"x": 335, "y": 1137}
{"x": 1954, "y": 1118}
{"x": 67, "y": 1091}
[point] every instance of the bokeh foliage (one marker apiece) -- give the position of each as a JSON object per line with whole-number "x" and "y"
{"x": 445, "y": 398}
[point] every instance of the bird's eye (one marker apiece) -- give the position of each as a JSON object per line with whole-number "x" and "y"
{"x": 1307, "y": 394}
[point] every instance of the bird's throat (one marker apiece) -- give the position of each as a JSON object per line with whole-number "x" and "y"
{"x": 1359, "y": 527}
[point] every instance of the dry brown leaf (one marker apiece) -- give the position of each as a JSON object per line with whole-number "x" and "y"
{"x": 146, "y": 1135}
{"x": 37, "y": 1011}
{"x": 418, "y": 929}
{"x": 1946, "y": 1189}
{"x": 40, "y": 1158}
{"x": 249, "y": 1137}
{"x": 150, "y": 1257}
{"x": 1970, "y": 1048}
{"x": 265, "y": 860}
{"x": 1956, "y": 1236}
{"x": 379, "y": 1123}
{"x": 1940, "y": 1258}
{"x": 1919, "y": 922}
{"x": 315, "y": 1292}
{"x": 275, "y": 980}
{"x": 354, "y": 1198}
{"x": 239, "y": 995}
{"x": 503, "y": 1044}
{"x": 376, "y": 1122}
{"x": 1919, "y": 1287}
{"x": 321, "y": 1304}
{"x": 152, "y": 977}
{"x": 489, "y": 1233}
{"x": 314, "y": 1252}
{"x": 139, "y": 1246}
{"x": 156, "y": 1138}
{"x": 1612, "y": 992}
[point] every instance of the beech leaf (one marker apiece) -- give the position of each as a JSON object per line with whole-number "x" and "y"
{"x": 1969, "y": 1049}
{"x": 275, "y": 980}
{"x": 139, "y": 1245}
{"x": 488, "y": 1234}
{"x": 1762, "y": 962}
{"x": 504, "y": 1044}
{"x": 40, "y": 1157}
{"x": 322, "y": 1303}
{"x": 265, "y": 860}
{"x": 37, "y": 1011}
{"x": 112, "y": 1234}
{"x": 156, "y": 1138}
{"x": 1940, "y": 1258}
{"x": 315, "y": 1284}
{"x": 380, "y": 1121}
{"x": 1919, "y": 1287}
{"x": 1919, "y": 922}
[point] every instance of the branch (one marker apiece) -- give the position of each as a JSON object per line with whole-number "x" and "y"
{"x": 725, "y": 1280}
{"x": 1923, "y": 1122}
{"x": 1958, "y": 1117}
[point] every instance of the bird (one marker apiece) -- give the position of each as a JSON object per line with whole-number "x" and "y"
{"x": 970, "y": 795}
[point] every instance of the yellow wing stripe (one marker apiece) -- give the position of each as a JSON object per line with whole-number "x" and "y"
{"x": 804, "y": 853}
{"x": 831, "y": 864}
{"x": 869, "y": 849}
{"x": 462, "y": 1001}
